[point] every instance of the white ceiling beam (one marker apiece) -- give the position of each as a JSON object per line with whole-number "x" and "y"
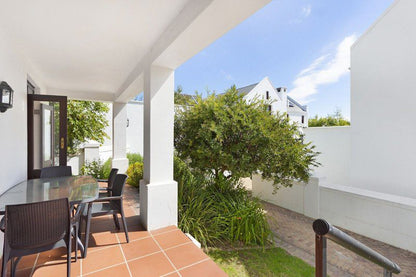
{"x": 82, "y": 95}
{"x": 184, "y": 19}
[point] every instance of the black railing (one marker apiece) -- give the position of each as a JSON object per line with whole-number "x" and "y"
{"x": 324, "y": 230}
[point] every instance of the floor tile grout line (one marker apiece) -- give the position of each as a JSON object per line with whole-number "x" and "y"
{"x": 104, "y": 268}
{"x": 184, "y": 267}
{"x": 80, "y": 267}
{"x": 124, "y": 256}
{"x": 174, "y": 267}
{"x": 144, "y": 256}
{"x": 176, "y": 246}
{"x": 162, "y": 233}
{"x": 195, "y": 263}
{"x": 127, "y": 261}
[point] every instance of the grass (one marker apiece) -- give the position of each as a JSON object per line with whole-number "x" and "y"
{"x": 258, "y": 262}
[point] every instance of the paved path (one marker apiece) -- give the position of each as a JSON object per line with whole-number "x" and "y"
{"x": 294, "y": 233}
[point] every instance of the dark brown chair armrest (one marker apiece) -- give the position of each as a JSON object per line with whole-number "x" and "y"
{"x": 102, "y": 180}
{"x": 107, "y": 199}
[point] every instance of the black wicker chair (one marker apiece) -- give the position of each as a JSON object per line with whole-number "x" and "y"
{"x": 36, "y": 227}
{"x": 111, "y": 178}
{"x": 107, "y": 205}
{"x": 56, "y": 171}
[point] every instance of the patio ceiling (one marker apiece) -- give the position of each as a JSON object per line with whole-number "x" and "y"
{"x": 98, "y": 49}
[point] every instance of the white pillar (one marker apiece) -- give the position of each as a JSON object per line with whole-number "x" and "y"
{"x": 120, "y": 160}
{"x": 158, "y": 190}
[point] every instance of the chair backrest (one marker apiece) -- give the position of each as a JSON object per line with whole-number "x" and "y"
{"x": 37, "y": 224}
{"x": 118, "y": 185}
{"x": 112, "y": 177}
{"x": 56, "y": 171}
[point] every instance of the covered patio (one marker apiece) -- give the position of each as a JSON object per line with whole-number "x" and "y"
{"x": 111, "y": 51}
{"x": 163, "y": 252}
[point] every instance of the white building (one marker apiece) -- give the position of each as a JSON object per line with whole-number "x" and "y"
{"x": 280, "y": 101}
{"x": 278, "y": 97}
{"x": 366, "y": 182}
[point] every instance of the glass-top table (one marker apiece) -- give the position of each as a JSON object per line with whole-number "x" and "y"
{"x": 78, "y": 189}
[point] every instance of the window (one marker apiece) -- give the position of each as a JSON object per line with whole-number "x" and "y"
{"x": 269, "y": 108}
{"x": 267, "y": 95}
{"x": 303, "y": 119}
{"x": 291, "y": 104}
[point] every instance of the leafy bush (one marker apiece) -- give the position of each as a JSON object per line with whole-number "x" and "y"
{"x": 96, "y": 169}
{"x": 134, "y": 158}
{"x": 217, "y": 213}
{"x": 107, "y": 168}
{"x": 135, "y": 174}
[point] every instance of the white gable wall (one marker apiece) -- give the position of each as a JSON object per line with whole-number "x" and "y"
{"x": 259, "y": 92}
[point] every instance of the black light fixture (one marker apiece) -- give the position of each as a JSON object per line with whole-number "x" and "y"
{"x": 6, "y": 97}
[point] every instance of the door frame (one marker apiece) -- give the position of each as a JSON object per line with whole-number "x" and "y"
{"x": 63, "y": 131}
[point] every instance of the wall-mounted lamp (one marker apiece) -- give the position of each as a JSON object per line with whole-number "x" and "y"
{"x": 6, "y": 97}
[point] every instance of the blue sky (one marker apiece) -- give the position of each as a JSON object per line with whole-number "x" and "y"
{"x": 299, "y": 44}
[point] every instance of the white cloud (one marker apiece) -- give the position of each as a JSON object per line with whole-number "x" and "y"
{"x": 305, "y": 11}
{"x": 226, "y": 75}
{"x": 327, "y": 69}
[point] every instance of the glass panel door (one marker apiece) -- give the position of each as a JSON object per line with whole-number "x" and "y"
{"x": 47, "y": 120}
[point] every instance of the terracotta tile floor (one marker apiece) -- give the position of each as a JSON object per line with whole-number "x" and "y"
{"x": 163, "y": 252}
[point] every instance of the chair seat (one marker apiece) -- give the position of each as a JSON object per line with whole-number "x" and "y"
{"x": 102, "y": 208}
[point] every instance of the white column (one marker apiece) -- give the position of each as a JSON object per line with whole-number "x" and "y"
{"x": 158, "y": 190}
{"x": 120, "y": 160}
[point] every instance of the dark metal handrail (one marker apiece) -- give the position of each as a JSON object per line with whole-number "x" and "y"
{"x": 324, "y": 230}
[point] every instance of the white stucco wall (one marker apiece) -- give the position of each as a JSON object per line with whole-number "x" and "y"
{"x": 135, "y": 128}
{"x": 134, "y": 131}
{"x": 334, "y": 144}
{"x": 13, "y": 128}
{"x": 383, "y": 98}
{"x": 380, "y": 216}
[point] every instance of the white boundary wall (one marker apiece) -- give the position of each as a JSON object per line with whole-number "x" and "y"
{"x": 380, "y": 216}
{"x": 386, "y": 217}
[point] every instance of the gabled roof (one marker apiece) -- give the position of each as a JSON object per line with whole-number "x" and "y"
{"x": 245, "y": 90}
{"x": 302, "y": 107}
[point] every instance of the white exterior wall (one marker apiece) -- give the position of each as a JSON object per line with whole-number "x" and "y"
{"x": 377, "y": 215}
{"x": 334, "y": 144}
{"x": 13, "y": 123}
{"x": 135, "y": 128}
{"x": 134, "y": 131}
{"x": 383, "y": 98}
{"x": 259, "y": 92}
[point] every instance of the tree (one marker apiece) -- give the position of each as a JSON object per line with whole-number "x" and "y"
{"x": 336, "y": 119}
{"x": 225, "y": 137}
{"x": 183, "y": 99}
{"x": 86, "y": 121}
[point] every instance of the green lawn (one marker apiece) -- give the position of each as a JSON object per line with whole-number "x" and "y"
{"x": 259, "y": 262}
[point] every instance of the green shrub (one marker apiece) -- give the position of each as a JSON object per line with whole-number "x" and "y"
{"x": 215, "y": 213}
{"x": 134, "y": 158}
{"x": 96, "y": 169}
{"x": 107, "y": 168}
{"x": 135, "y": 174}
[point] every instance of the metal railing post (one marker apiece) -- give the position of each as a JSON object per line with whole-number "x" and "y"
{"x": 320, "y": 256}
{"x": 387, "y": 273}
{"x": 324, "y": 230}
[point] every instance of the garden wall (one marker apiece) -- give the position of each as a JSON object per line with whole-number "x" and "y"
{"x": 380, "y": 216}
